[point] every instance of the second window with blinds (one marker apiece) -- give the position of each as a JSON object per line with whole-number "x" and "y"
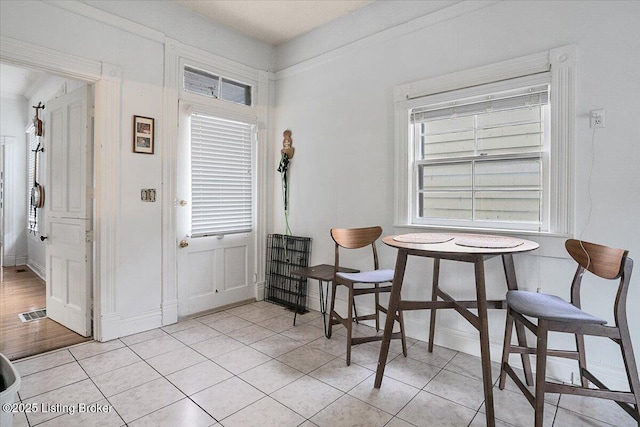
{"x": 482, "y": 160}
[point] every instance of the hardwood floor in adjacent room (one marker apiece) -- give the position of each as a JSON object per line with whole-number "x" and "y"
{"x": 21, "y": 291}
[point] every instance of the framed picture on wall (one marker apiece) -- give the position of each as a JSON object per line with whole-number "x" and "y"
{"x": 143, "y": 134}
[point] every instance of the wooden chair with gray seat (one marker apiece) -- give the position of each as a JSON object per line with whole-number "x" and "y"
{"x": 554, "y": 314}
{"x": 362, "y": 283}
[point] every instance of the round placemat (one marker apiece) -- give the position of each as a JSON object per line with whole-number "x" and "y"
{"x": 490, "y": 242}
{"x": 423, "y": 238}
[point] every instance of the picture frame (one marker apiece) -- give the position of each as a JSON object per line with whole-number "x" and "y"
{"x": 143, "y": 134}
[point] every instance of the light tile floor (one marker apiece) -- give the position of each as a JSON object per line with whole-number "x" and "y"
{"x": 247, "y": 366}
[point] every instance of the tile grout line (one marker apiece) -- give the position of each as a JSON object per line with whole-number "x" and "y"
{"x": 249, "y": 345}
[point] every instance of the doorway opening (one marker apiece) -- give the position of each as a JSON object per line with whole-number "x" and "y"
{"x": 25, "y": 254}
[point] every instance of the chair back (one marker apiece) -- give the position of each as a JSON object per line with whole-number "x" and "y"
{"x": 602, "y": 261}
{"x": 356, "y": 238}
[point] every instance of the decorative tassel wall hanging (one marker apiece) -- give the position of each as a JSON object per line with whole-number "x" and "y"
{"x": 286, "y": 154}
{"x": 37, "y": 190}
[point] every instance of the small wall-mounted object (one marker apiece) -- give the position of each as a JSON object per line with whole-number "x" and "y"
{"x": 596, "y": 118}
{"x": 143, "y": 134}
{"x": 148, "y": 194}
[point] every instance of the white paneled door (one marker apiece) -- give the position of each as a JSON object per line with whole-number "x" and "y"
{"x": 68, "y": 210}
{"x": 216, "y": 256}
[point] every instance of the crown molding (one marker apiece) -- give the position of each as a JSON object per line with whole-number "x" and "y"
{"x": 451, "y": 12}
{"x": 109, "y": 19}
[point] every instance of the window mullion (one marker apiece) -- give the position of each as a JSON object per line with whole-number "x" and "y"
{"x": 473, "y": 168}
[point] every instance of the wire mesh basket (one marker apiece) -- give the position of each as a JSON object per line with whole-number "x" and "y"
{"x": 284, "y": 255}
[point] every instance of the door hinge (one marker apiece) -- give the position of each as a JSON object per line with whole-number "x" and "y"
{"x": 92, "y": 112}
{"x": 89, "y": 236}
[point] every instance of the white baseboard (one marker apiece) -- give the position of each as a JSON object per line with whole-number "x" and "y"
{"x": 169, "y": 312}
{"x": 108, "y": 329}
{"x": 115, "y": 326}
{"x": 37, "y": 268}
{"x": 11, "y": 260}
{"x": 260, "y": 288}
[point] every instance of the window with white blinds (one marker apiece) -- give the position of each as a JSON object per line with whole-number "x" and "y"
{"x": 31, "y": 161}
{"x": 221, "y": 175}
{"x": 482, "y": 161}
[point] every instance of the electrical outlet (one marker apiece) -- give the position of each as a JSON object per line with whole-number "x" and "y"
{"x": 596, "y": 118}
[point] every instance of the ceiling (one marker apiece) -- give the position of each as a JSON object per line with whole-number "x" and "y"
{"x": 15, "y": 81}
{"x": 272, "y": 21}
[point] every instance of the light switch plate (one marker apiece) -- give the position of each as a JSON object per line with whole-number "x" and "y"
{"x": 148, "y": 194}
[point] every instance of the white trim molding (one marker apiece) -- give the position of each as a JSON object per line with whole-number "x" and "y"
{"x": 107, "y": 184}
{"x": 563, "y": 79}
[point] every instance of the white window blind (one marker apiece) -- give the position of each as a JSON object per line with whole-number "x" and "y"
{"x": 526, "y": 97}
{"x": 221, "y": 175}
{"x": 480, "y": 161}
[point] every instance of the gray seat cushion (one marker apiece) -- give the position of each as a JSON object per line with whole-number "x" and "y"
{"x": 548, "y": 307}
{"x": 375, "y": 276}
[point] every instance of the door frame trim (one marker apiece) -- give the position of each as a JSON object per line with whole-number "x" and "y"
{"x": 106, "y": 79}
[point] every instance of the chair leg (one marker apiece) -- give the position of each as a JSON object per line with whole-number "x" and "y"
{"x": 541, "y": 370}
{"x": 349, "y": 324}
{"x": 334, "y": 287}
{"x": 631, "y": 368}
{"x": 526, "y": 363}
{"x": 377, "y": 305}
{"x": 434, "y": 297}
{"x": 506, "y": 348}
{"x": 582, "y": 359}
{"x": 355, "y": 312}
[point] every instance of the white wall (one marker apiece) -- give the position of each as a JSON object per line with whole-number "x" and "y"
{"x": 190, "y": 28}
{"x": 339, "y": 106}
{"x": 77, "y": 29}
{"x": 13, "y": 122}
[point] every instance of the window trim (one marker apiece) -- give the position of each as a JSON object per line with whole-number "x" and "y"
{"x": 561, "y": 63}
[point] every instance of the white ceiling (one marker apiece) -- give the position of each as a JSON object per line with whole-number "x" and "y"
{"x": 273, "y": 21}
{"x": 16, "y": 81}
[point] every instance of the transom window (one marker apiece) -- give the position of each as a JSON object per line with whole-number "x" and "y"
{"x": 207, "y": 84}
